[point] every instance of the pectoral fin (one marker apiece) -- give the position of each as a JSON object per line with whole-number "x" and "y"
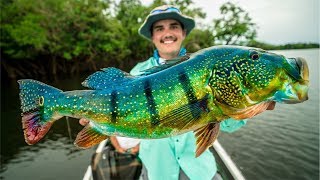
{"x": 205, "y": 136}
{"x": 89, "y": 137}
{"x": 186, "y": 115}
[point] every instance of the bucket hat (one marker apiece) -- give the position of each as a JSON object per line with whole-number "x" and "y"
{"x": 165, "y": 12}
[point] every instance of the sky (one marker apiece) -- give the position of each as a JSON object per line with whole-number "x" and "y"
{"x": 278, "y": 21}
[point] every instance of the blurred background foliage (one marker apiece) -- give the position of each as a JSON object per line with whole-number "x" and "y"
{"x": 67, "y": 37}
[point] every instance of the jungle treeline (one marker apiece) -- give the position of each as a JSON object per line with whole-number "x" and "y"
{"x": 66, "y": 37}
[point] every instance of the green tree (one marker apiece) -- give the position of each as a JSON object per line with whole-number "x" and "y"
{"x": 21, "y": 31}
{"x": 188, "y": 8}
{"x": 59, "y": 30}
{"x": 199, "y": 39}
{"x": 130, "y": 14}
{"x": 234, "y": 27}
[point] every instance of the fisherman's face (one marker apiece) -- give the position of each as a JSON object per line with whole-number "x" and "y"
{"x": 167, "y": 36}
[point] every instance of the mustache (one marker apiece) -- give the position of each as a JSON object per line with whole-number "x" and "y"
{"x": 166, "y": 38}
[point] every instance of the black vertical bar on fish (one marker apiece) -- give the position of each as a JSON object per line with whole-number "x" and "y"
{"x": 154, "y": 115}
{"x": 189, "y": 92}
{"x": 114, "y": 106}
{"x": 187, "y": 88}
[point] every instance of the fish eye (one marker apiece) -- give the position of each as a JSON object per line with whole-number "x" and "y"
{"x": 254, "y": 55}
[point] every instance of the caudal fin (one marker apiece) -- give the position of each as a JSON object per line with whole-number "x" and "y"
{"x": 36, "y": 119}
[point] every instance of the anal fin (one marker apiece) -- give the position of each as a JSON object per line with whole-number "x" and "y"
{"x": 205, "y": 136}
{"x": 89, "y": 137}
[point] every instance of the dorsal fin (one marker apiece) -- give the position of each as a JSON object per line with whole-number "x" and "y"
{"x": 168, "y": 64}
{"x": 107, "y": 78}
{"x": 178, "y": 59}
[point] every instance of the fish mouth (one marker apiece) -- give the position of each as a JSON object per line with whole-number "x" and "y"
{"x": 304, "y": 69}
{"x": 297, "y": 91}
{"x": 301, "y": 66}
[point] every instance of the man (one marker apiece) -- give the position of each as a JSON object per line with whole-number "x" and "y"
{"x": 174, "y": 157}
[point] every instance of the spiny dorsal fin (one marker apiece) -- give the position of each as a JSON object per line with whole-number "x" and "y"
{"x": 107, "y": 78}
{"x": 205, "y": 136}
{"x": 169, "y": 63}
{"x": 178, "y": 59}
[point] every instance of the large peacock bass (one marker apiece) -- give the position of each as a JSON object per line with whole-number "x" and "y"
{"x": 194, "y": 93}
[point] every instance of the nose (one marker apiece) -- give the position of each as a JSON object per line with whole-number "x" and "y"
{"x": 168, "y": 36}
{"x": 167, "y": 32}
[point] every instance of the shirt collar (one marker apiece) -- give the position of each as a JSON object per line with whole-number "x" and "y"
{"x": 160, "y": 60}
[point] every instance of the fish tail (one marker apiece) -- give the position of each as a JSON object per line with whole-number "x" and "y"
{"x": 36, "y": 121}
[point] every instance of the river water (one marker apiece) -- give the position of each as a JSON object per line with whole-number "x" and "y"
{"x": 278, "y": 144}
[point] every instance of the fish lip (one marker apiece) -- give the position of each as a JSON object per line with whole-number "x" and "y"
{"x": 300, "y": 69}
{"x": 303, "y": 67}
{"x": 304, "y": 73}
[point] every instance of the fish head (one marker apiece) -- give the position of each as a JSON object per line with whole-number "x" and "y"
{"x": 244, "y": 77}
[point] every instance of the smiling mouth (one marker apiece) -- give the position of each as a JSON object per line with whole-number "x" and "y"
{"x": 169, "y": 41}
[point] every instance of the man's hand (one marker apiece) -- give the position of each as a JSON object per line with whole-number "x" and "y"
{"x": 135, "y": 150}
{"x": 116, "y": 145}
{"x": 121, "y": 150}
{"x": 83, "y": 121}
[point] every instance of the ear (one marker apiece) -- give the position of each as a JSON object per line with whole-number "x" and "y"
{"x": 152, "y": 39}
{"x": 184, "y": 33}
